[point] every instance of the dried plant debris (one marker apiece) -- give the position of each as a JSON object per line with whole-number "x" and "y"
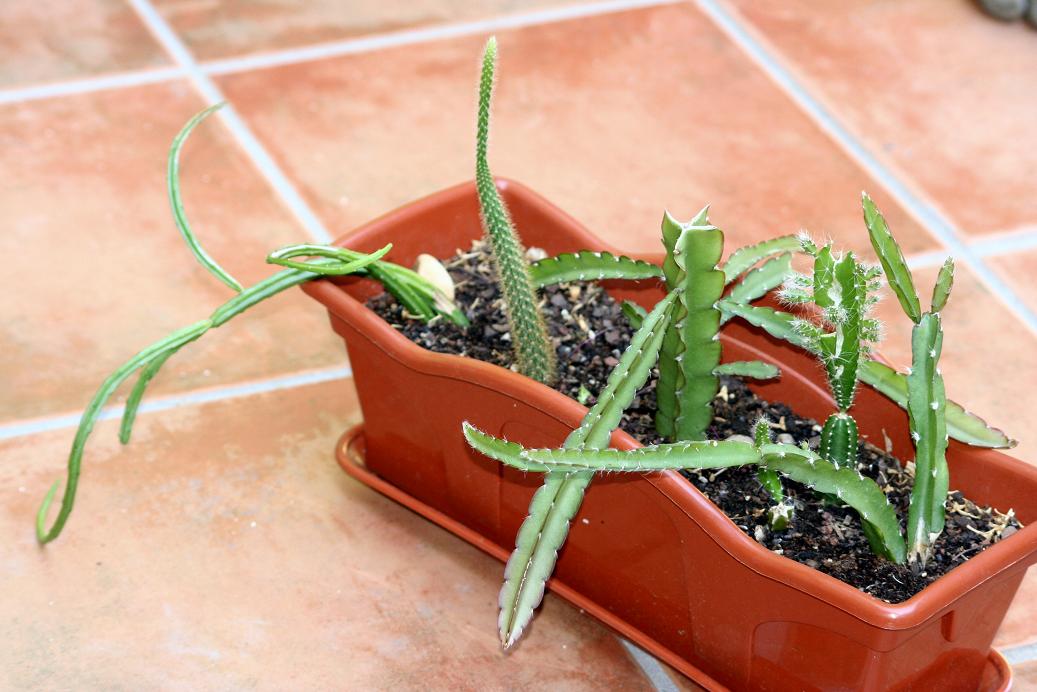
{"x": 590, "y": 333}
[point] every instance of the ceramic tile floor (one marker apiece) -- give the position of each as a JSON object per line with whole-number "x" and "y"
{"x": 223, "y": 548}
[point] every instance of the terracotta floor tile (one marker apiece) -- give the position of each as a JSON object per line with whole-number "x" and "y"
{"x": 72, "y": 39}
{"x": 233, "y": 27}
{"x": 937, "y": 88}
{"x": 225, "y": 549}
{"x": 98, "y": 270}
{"x": 971, "y": 318}
{"x": 664, "y": 112}
{"x": 1024, "y": 677}
{"x": 1019, "y": 270}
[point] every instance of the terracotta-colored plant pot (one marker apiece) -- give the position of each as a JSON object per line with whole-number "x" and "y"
{"x": 653, "y": 556}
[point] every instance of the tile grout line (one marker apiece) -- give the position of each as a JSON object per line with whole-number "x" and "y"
{"x": 998, "y": 246}
{"x": 119, "y": 80}
{"x": 930, "y": 217}
{"x": 301, "y": 54}
{"x": 650, "y": 666}
{"x": 191, "y": 398}
{"x": 1022, "y": 653}
{"x": 268, "y": 168}
{"x": 437, "y": 32}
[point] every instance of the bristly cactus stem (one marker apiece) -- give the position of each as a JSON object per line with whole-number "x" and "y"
{"x": 533, "y": 349}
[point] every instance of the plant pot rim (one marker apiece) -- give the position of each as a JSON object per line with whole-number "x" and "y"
{"x": 1017, "y": 551}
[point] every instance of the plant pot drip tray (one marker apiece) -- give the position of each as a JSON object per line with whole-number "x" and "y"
{"x": 350, "y": 454}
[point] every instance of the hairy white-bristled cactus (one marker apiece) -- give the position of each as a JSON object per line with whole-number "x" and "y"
{"x": 926, "y": 398}
{"x": 533, "y": 350}
{"x": 843, "y": 290}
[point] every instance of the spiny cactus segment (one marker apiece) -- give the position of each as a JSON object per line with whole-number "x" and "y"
{"x": 533, "y": 350}
{"x": 556, "y": 502}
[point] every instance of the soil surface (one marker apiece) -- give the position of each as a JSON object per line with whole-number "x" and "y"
{"x": 590, "y": 334}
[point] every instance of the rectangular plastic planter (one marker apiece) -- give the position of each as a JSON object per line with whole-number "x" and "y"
{"x": 650, "y": 554}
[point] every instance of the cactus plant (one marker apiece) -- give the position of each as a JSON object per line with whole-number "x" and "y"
{"x": 405, "y": 284}
{"x": 558, "y": 499}
{"x": 843, "y": 290}
{"x": 689, "y": 363}
{"x": 962, "y": 425}
{"x": 926, "y": 398}
{"x": 533, "y": 350}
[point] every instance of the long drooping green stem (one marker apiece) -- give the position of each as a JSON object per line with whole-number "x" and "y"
{"x": 533, "y": 349}
{"x": 150, "y": 359}
{"x": 176, "y": 202}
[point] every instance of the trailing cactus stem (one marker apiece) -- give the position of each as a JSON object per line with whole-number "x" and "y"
{"x": 927, "y": 405}
{"x": 802, "y": 465}
{"x": 760, "y": 281}
{"x": 556, "y": 502}
{"x": 533, "y": 349}
{"x": 839, "y": 438}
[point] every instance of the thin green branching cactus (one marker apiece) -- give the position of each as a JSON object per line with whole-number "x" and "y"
{"x": 843, "y": 290}
{"x": 533, "y": 349}
{"x": 559, "y": 498}
{"x": 422, "y": 298}
{"x": 926, "y": 399}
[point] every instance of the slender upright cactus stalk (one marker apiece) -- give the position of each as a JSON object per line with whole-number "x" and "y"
{"x": 691, "y": 348}
{"x": 533, "y": 349}
{"x": 926, "y": 397}
{"x": 689, "y": 364}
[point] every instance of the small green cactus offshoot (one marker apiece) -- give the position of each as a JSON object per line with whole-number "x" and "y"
{"x": 843, "y": 289}
{"x": 926, "y": 400}
{"x": 780, "y": 513}
{"x": 533, "y": 350}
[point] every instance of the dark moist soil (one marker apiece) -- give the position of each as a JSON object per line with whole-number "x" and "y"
{"x": 590, "y": 334}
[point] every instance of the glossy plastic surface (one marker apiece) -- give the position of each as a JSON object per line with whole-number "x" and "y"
{"x": 652, "y": 551}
